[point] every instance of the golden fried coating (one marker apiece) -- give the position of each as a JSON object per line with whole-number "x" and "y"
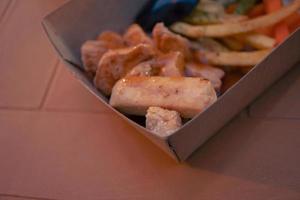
{"x": 166, "y": 41}
{"x": 117, "y": 63}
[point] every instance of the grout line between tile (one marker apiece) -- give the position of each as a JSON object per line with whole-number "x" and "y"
{"x": 74, "y": 111}
{"x": 53, "y": 110}
{"x": 24, "y": 197}
{"x": 15, "y": 108}
{"x": 46, "y": 94}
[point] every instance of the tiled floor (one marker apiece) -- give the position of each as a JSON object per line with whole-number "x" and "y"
{"x": 57, "y": 141}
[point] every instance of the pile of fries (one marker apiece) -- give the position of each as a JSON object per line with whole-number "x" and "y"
{"x": 166, "y": 76}
{"x": 249, "y": 29}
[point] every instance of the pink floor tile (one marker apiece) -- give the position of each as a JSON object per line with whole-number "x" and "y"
{"x": 282, "y": 100}
{"x": 26, "y": 58}
{"x": 259, "y": 150}
{"x": 64, "y": 144}
{"x": 98, "y": 156}
{"x": 68, "y": 94}
{"x": 3, "y": 8}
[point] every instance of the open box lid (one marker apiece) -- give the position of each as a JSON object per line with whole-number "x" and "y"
{"x": 77, "y": 21}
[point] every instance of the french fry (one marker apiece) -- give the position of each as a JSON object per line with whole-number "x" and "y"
{"x": 222, "y": 30}
{"x": 256, "y": 40}
{"x": 233, "y": 18}
{"x": 266, "y": 31}
{"x": 233, "y": 58}
{"x": 208, "y": 44}
{"x": 233, "y": 43}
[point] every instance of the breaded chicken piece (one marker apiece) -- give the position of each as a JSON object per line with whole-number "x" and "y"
{"x": 166, "y": 41}
{"x": 162, "y": 122}
{"x": 93, "y": 50}
{"x": 213, "y": 74}
{"x": 144, "y": 69}
{"x": 186, "y": 95}
{"x": 135, "y": 35}
{"x": 111, "y": 39}
{"x": 115, "y": 64}
{"x": 171, "y": 64}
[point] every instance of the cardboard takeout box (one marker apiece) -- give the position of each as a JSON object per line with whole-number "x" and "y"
{"x": 77, "y": 21}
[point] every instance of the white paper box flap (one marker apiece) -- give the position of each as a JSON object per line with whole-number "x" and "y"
{"x": 76, "y": 24}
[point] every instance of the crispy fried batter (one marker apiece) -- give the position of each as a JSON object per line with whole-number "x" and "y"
{"x": 166, "y": 41}
{"x": 93, "y": 50}
{"x": 188, "y": 96}
{"x": 162, "y": 122}
{"x": 117, "y": 63}
{"x": 171, "y": 64}
{"x": 111, "y": 39}
{"x": 143, "y": 69}
{"x": 213, "y": 74}
{"x": 135, "y": 35}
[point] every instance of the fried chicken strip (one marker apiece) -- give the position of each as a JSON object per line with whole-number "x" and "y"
{"x": 186, "y": 95}
{"x": 117, "y": 63}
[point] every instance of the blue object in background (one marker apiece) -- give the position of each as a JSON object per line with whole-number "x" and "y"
{"x": 167, "y": 11}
